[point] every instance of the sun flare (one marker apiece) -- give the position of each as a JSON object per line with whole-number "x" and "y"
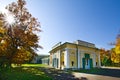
{"x": 8, "y": 17}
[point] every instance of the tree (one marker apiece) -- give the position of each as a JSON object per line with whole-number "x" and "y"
{"x": 19, "y": 39}
{"x": 105, "y": 57}
{"x": 115, "y": 57}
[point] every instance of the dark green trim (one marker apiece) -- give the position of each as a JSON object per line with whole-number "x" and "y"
{"x": 87, "y": 55}
{"x": 83, "y": 63}
{"x": 91, "y": 63}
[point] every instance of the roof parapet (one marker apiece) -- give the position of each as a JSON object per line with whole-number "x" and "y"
{"x": 84, "y": 43}
{"x": 56, "y": 45}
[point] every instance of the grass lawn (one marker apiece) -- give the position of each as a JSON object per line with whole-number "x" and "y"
{"x": 34, "y": 65}
{"x": 25, "y": 72}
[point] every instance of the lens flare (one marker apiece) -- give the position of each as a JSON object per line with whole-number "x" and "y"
{"x": 8, "y": 18}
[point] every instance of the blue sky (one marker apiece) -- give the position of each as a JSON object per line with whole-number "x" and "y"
{"x": 95, "y": 21}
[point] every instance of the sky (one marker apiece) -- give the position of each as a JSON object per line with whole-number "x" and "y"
{"x": 95, "y": 21}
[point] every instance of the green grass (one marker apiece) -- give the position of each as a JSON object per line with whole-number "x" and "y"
{"x": 34, "y": 65}
{"x": 26, "y": 72}
{"x": 30, "y": 65}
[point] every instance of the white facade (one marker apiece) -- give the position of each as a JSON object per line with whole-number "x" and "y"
{"x": 69, "y": 55}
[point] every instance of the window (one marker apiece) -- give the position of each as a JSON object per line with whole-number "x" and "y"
{"x": 63, "y": 63}
{"x": 72, "y": 63}
{"x": 96, "y": 63}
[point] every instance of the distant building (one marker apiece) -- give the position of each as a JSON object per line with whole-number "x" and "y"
{"x": 79, "y": 54}
{"x": 45, "y": 60}
{"x": 38, "y": 59}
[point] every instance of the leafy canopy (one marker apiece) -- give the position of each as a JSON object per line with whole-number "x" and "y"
{"x": 18, "y": 39}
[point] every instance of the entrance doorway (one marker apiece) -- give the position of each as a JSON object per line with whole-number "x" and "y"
{"x": 87, "y": 63}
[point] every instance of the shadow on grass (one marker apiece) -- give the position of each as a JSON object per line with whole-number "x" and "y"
{"x": 36, "y": 72}
{"x": 24, "y": 73}
{"x": 52, "y": 72}
{"x": 101, "y": 71}
{"x": 61, "y": 74}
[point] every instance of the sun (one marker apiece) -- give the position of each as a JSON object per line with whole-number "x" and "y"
{"x": 8, "y": 18}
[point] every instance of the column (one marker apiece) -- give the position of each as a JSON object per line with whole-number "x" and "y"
{"x": 99, "y": 62}
{"x": 81, "y": 59}
{"x": 66, "y": 58}
{"x": 78, "y": 59}
{"x": 94, "y": 59}
{"x": 59, "y": 59}
{"x": 52, "y": 59}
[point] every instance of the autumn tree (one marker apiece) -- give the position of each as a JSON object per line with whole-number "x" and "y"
{"x": 105, "y": 57}
{"x": 115, "y": 56}
{"x": 18, "y": 34}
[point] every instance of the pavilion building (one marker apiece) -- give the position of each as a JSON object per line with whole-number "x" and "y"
{"x": 76, "y": 55}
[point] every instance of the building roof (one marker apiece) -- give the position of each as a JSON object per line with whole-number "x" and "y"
{"x": 63, "y": 45}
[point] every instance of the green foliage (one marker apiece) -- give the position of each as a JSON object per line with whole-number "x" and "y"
{"x": 105, "y": 57}
{"x": 107, "y": 61}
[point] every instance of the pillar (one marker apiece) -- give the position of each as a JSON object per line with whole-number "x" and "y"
{"x": 99, "y": 62}
{"x": 94, "y": 59}
{"x": 78, "y": 59}
{"x": 66, "y": 58}
{"x": 59, "y": 57}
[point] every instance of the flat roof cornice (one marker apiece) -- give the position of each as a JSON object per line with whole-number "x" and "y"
{"x": 63, "y": 45}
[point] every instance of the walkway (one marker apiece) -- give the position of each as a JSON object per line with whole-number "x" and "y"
{"x": 105, "y": 74}
{"x": 59, "y": 74}
{"x": 94, "y": 77}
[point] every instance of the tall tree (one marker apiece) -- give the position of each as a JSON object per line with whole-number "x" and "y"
{"x": 105, "y": 57}
{"x": 115, "y": 57}
{"x": 18, "y": 34}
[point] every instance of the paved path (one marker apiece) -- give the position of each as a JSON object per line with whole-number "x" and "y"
{"x": 59, "y": 74}
{"x": 93, "y": 77}
{"x": 106, "y": 74}
{"x": 110, "y": 67}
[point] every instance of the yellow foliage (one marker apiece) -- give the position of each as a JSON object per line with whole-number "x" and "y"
{"x": 117, "y": 49}
{"x": 115, "y": 56}
{"x": 21, "y": 56}
{"x": 2, "y": 30}
{"x": 1, "y": 24}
